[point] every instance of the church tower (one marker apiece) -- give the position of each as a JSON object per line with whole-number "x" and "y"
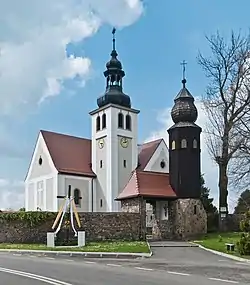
{"x": 114, "y": 137}
{"x": 184, "y": 146}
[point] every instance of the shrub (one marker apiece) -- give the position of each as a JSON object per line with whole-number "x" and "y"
{"x": 244, "y": 243}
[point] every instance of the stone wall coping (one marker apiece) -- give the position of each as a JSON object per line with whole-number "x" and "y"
{"x": 80, "y": 253}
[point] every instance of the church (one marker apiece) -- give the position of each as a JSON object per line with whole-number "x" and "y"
{"x": 109, "y": 170}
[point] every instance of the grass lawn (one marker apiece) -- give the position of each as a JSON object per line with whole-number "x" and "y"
{"x": 117, "y": 246}
{"x": 217, "y": 242}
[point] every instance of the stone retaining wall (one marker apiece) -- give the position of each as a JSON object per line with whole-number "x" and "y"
{"x": 98, "y": 226}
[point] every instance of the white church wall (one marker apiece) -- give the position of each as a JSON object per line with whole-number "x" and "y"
{"x": 40, "y": 194}
{"x": 161, "y": 154}
{"x": 84, "y": 184}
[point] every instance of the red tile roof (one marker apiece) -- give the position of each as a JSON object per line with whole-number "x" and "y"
{"x": 71, "y": 155}
{"x": 146, "y": 152}
{"x": 147, "y": 184}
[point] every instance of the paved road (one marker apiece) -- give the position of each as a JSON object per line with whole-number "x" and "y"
{"x": 169, "y": 266}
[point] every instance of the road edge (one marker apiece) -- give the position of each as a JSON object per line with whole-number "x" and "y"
{"x": 230, "y": 256}
{"x": 81, "y": 253}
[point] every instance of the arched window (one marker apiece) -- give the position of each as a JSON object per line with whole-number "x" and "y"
{"x": 103, "y": 121}
{"x": 183, "y": 143}
{"x": 173, "y": 145}
{"x": 120, "y": 120}
{"x": 98, "y": 123}
{"x": 195, "y": 143}
{"x": 128, "y": 122}
{"x": 77, "y": 197}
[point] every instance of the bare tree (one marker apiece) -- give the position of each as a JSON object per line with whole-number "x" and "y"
{"x": 227, "y": 103}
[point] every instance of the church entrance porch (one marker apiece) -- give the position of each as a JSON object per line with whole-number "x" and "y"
{"x": 159, "y": 221}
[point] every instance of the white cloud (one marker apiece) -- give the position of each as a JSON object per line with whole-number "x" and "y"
{"x": 11, "y": 194}
{"x": 34, "y": 64}
{"x": 33, "y": 40}
{"x": 208, "y": 167}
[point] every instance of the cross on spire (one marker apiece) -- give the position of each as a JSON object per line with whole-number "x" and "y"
{"x": 113, "y": 32}
{"x": 183, "y": 63}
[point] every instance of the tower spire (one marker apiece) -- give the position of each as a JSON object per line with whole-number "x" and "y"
{"x": 114, "y": 81}
{"x": 113, "y": 33}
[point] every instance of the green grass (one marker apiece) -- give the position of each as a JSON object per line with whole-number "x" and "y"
{"x": 217, "y": 241}
{"x": 117, "y": 246}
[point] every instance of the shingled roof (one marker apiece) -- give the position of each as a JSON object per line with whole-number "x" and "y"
{"x": 147, "y": 184}
{"x": 72, "y": 155}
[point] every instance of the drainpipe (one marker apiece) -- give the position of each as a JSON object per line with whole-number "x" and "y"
{"x": 92, "y": 194}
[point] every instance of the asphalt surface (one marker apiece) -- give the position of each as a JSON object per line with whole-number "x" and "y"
{"x": 168, "y": 266}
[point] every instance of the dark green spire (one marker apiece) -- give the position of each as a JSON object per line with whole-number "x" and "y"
{"x": 114, "y": 75}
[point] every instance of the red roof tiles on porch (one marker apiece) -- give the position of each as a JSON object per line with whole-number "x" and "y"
{"x": 147, "y": 184}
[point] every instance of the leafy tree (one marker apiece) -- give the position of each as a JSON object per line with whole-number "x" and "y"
{"x": 211, "y": 210}
{"x": 243, "y": 204}
{"x": 244, "y": 242}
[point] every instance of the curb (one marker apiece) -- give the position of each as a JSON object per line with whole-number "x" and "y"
{"x": 80, "y": 254}
{"x": 151, "y": 252}
{"x": 230, "y": 256}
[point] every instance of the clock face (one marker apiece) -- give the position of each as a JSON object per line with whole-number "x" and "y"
{"x": 124, "y": 142}
{"x": 101, "y": 143}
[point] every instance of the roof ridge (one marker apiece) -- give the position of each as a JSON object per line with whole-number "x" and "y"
{"x": 153, "y": 141}
{"x": 63, "y": 134}
{"x": 153, "y": 172}
{"x": 137, "y": 183}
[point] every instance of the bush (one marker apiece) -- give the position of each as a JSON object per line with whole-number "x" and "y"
{"x": 244, "y": 243}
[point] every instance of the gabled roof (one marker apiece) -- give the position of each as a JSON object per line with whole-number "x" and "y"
{"x": 71, "y": 155}
{"x": 147, "y": 184}
{"x": 146, "y": 152}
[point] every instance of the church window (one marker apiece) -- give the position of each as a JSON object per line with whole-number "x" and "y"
{"x": 173, "y": 145}
{"x": 195, "y": 143}
{"x": 195, "y": 209}
{"x": 165, "y": 211}
{"x": 98, "y": 123}
{"x": 100, "y": 203}
{"x": 183, "y": 143}
{"x": 120, "y": 120}
{"x": 124, "y": 163}
{"x": 100, "y": 163}
{"x": 128, "y": 122}
{"x": 163, "y": 164}
{"x": 40, "y": 161}
{"x": 104, "y": 121}
{"x": 77, "y": 197}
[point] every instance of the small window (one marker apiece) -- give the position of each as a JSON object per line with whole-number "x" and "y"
{"x": 195, "y": 209}
{"x": 128, "y": 122}
{"x": 195, "y": 143}
{"x": 100, "y": 163}
{"x": 165, "y": 208}
{"x": 104, "y": 121}
{"x": 100, "y": 203}
{"x": 77, "y": 197}
{"x": 173, "y": 144}
{"x": 120, "y": 120}
{"x": 124, "y": 163}
{"x": 98, "y": 123}
{"x": 183, "y": 143}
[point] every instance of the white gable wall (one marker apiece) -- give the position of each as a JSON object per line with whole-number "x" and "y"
{"x": 161, "y": 153}
{"x": 41, "y": 180}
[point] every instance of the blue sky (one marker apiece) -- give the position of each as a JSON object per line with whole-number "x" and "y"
{"x": 150, "y": 45}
